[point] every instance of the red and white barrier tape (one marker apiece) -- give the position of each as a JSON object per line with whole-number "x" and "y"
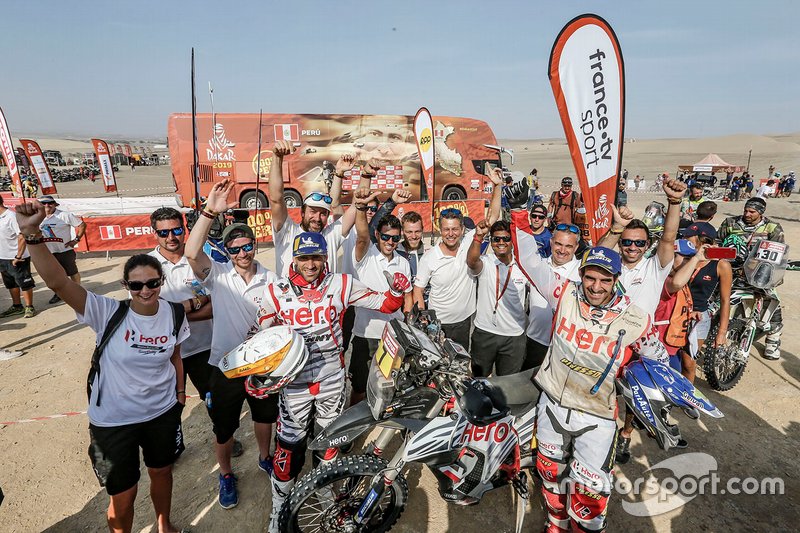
{"x": 60, "y": 415}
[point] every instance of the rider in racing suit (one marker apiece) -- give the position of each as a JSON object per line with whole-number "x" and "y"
{"x": 595, "y": 330}
{"x": 313, "y": 301}
{"x": 743, "y": 232}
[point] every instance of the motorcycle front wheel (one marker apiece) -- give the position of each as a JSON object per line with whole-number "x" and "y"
{"x": 328, "y": 498}
{"x": 724, "y": 366}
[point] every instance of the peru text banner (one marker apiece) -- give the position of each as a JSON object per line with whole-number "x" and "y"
{"x": 587, "y": 76}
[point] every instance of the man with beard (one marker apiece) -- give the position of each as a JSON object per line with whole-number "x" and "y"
{"x": 498, "y": 341}
{"x": 743, "y": 232}
{"x": 371, "y": 260}
{"x": 643, "y": 278}
{"x": 312, "y": 301}
{"x": 444, "y": 267}
{"x": 237, "y": 288}
{"x": 315, "y": 212}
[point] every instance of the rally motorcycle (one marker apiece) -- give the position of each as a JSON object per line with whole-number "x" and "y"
{"x": 480, "y": 442}
{"x": 754, "y": 302}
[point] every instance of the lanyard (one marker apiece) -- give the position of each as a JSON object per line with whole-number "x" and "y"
{"x": 499, "y": 293}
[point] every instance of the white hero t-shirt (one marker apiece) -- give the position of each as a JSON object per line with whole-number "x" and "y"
{"x": 8, "y": 236}
{"x": 540, "y": 313}
{"x": 508, "y": 282}
{"x": 643, "y": 282}
{"x": 348, "y": 249}
{"x": 369, "y": 323}
{"x": 236, "y": 304}
{"x": 60, "y": 226}
{"x": 452, "y": 293}
{"x": 284, "y": 239}
{"x": 180, "y": 285}
{"x": 137, "y": 380}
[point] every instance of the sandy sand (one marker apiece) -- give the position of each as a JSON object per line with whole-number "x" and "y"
{"x": 49, "y": 486}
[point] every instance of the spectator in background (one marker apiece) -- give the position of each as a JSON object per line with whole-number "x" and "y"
{"x": 736, "y": 188}
{"x": 689, "y": 203}
{"x": 541, "y": 233}
{"x": 533, "y": 184}
{"x": 563, "y": 203}
{"x": 15, "y": 266}
{"x": 766, "y": 190}
{"x": 622, "y": 193}
{"x": 790, "y": 183}
{"x": 636, "y": 181}
{"x": 748, "y": 185}
{"x": 57, "y": 228}
{"x": 706, "y": 211}
{"x": 771, "y": 171}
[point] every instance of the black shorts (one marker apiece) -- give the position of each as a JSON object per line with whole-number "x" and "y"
{"x": 199, "y": 371}
{"x": 17, "y": 276}
{"x": 67, "y": 261}
{"x": 114, "y": 451}
{"x": 360, "y": 358}
{"x": 227, "y": 397}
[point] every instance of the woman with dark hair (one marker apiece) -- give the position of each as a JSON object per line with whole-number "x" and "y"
{"x": 136, "y": 396}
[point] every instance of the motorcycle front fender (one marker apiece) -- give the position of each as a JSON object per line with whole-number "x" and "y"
{"x": 346, "y": 428}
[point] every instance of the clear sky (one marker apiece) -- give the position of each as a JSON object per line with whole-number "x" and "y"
{"x": 693, "y": 68}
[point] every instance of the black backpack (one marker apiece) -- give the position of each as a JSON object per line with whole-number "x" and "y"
{"x": 178, "y": 314}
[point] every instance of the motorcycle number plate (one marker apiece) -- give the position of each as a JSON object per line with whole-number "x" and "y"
{"x": 770, "y": 251}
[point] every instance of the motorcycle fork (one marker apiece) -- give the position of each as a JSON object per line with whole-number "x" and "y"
{"x": 755, "y": 315}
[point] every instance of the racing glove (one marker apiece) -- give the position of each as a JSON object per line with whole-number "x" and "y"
{"x": 517, "y": 194}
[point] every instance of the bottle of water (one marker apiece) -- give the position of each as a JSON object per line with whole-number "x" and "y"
{"x": 208, "y": 400}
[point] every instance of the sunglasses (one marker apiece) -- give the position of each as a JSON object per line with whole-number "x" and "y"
{"x": 394, "y": 238}
{"x": 372, "y": 208}
{"x": 451, "y": 212}
{"x": 501, "y": 238}
{"x": 572, "y": 228}
{"x": 234, "y": 250}
{"x": 164, "y": 233}
{"x": 639, "y": 243}
{"x": 539, "y": 217}
{"x": 317, "y": 196}
{"x": 135, "y": 286}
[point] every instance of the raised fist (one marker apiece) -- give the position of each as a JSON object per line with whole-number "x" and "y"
{"x": 282, "y": 148}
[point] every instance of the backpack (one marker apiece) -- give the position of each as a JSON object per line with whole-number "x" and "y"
{"x": 573, "y": 196}
{"x": 178, "y": 314}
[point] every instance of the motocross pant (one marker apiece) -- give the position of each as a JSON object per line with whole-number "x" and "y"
{"x": 575, "y": 457}
{"x": 776, "y": 328}
{"x": 298, "y": 403}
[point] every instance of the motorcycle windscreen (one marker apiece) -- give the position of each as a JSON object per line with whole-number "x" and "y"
{"x": 677, "y": 389}
{"x": 766, "y": 264}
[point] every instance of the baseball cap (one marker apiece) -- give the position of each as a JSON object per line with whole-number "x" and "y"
{"x": 234, "y": 231}
{"x": 566, "y": 181}
{"x": 318, "y": 199}
{"x": 47, "y": 199}
{"x": 700, "y": 229}
{"x": 540, "y": 209}
{"x": 684, "y": 247}
{"x": 602, "y": 257}
{"x": 309, "y": 243}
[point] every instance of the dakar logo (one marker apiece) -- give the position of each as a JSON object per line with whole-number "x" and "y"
{"x": 601, "y": 217}
{"x": 220, "y": 148}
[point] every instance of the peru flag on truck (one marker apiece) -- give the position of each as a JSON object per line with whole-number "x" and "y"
{"x": 287, "y": 132}
{"x": 104, "y": 161}
{"x": 587, "y": 76}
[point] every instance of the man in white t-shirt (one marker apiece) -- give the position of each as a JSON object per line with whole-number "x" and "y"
{"x": 563, "y": 243}
{"x": 62, "y": 232}
{"x": 370, "y": 262}
{"x": 498, "y": 340}
{"x": 237, "y": 288}
{"x": 444, "y": 268}
{"x": 315, "y": 212}
{"x": 766, "y": 190}
{"x": 15, "y": 266}
{"x": 643, "y": 278}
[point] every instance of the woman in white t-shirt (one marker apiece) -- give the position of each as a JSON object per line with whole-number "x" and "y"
{"x": 137, "y": 396}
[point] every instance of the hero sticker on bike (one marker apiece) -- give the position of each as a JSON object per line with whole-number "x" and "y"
{"x": 494, "y": 431}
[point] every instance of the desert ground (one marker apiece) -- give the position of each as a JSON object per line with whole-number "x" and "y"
{"x": 48, "y": 481}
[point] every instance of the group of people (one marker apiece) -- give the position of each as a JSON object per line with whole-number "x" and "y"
{"x": 526, "y": 300}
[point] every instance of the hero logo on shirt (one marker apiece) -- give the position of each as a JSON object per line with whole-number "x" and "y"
{"x": 110, "y": 233}
{"x": 144, "y": 343}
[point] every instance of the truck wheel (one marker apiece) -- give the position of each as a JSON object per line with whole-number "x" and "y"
{"x": 253, "y": 200}
{"x": 452, "y": 194}
{"x": 292, "y": 199}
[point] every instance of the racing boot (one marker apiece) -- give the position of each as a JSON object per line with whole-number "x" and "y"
{"x": 280, "y": 493}
{"x": 623, "y": 450}
{"x": 772, "y": 346}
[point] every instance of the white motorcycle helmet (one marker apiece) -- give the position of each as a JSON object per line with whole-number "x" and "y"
{"x": 270, "y": 359}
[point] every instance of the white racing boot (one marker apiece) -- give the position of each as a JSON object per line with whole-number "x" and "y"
{"x": 772, "y": 346}
{"x": 280, "y": 493}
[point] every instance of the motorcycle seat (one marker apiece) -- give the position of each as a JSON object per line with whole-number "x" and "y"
{"x": 517, "y": 392}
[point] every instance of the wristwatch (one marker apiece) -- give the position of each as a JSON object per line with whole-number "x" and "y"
{"x": 33, "y": 238}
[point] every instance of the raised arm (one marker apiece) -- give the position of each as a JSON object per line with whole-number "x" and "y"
{"x": 474, "y": 262}
{"x": 622, "y": 217}
{"x": 29, "y": 216}
{"x": 277, "y": 205}
{"x": 386, "y": 302}
{"x": 674, "y": 190}
{"x": 361, "y": 199}
{"x": 495, "y": 175}
{"x": 217, "y": 203}
{"x": 345, "y": 163}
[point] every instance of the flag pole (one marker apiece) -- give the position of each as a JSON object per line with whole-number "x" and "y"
{"x": 258, "y": 172}
{"x": 195, "y": 157}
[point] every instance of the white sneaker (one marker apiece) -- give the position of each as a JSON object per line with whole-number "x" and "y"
{"x": 6, "y": 355}
{"x": 280, "y": 492}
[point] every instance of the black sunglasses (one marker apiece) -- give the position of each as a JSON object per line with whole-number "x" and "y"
{"x": 372, "y": 208}
{"x": 539, "y": 217}
{"x": 164, "y": 233}
{"x": 501, "y": 238}
{"x": 394, "y": 238}
{"x": 572, "y": 228}
{"x": 234, "y": 250}
{"x": 639, "y": 243}
{"x": 136, "y": 286}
